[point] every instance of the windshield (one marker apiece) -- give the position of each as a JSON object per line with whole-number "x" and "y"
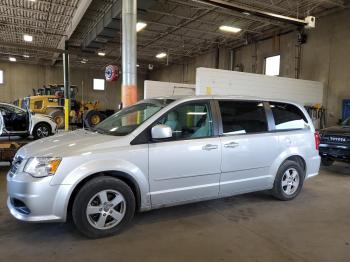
{"x": 129, "y": 118}
{"x": 346, "y": 122}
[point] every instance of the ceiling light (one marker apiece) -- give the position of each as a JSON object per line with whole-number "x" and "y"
{"x": 12, "y": 59}
{"x": 101, "y": 53}
{"x": 83, "y": 61}
{"x": 137, "y": 65}
{"x": 26, "y": 56}
{"x": 230, "y": 29}
{"x": 140, "y": 26}
{"x": 161, "y": 55}
{"x": 32, "y": 0}
{"x": 28, "y": 38}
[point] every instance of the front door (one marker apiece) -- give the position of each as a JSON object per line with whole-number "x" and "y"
{"x": 1, "y": 124}
{"x": 248, "y": 149}
{"x": 186, "y": 167}
{"x": 16, "y": 120}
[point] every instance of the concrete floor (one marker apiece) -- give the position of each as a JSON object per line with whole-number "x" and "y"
{"x": 253, "y": 227}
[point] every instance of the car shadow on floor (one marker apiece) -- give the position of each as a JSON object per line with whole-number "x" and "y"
{"x": 338, "y": 169}
{"x": 235, "y": 208}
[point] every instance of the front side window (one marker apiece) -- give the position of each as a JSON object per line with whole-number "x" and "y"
{"x": 346, "y": 122}
{"x": 242, "y": 117}
{"x": 129, "y": 118}
{"x": 288, "y": 116}
{"x": 189, "y": 121}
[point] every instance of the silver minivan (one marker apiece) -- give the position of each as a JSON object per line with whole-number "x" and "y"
{"x": 163, "y": 152}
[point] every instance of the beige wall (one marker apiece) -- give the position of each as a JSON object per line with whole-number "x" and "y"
{"x": 325, "y": 57}
{"x": 20, "y": 79}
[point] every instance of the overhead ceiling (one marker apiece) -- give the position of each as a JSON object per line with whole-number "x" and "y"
{"x": 181, "y": 28}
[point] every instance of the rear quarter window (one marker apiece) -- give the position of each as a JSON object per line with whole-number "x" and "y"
{"x": 288, "y": 117}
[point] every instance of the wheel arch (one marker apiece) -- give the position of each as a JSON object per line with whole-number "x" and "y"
{"x": 125, "y": 177}
{"x": 298, "y": 159}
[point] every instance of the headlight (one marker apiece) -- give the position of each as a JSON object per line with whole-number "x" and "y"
{"x": 42, "y": 166}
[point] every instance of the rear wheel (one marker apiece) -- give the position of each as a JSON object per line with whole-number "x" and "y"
{"x": 58, "y": 117}
{"x": 289, "y": 181}
{"x": 326, "y": 161}
{"x": 41, "y": 130}
{"x": 103, "y": 207}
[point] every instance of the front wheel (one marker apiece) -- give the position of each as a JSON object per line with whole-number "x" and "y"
{"x": 289, "y": 181}
{"x": 41, "y": 130}
{"x": 103, "y": 207}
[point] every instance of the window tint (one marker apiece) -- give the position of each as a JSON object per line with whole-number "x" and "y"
{"x": 189, "y": 121}
{"x": 288, "y": 116}
{"x": 241, "y": 117}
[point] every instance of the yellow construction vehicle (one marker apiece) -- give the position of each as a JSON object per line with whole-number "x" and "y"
{"x": 50, "y": 101}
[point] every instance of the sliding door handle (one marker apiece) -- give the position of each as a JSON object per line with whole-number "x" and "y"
{"x": 209, "y": 147}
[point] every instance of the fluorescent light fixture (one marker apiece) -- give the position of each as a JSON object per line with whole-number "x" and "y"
{"x": 28, "y": 38}
{"x": 12, "y": 59}
{"x": 196, "y": 113}
{"x": 140, "y": 26}
{"x": 26, "y": 56}
{"x": 161, "y": 55}
{"x": 83, "y": 61}
{"x": 101, "y": 53}
{"x": 230, "y": 29}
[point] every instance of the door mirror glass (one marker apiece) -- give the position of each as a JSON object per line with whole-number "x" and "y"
{"x": 161, "y": 132}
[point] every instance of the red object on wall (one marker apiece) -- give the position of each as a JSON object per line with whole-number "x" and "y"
{"x": 112, "y": 73}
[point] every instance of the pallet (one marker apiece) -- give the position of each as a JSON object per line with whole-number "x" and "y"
{"x": 8, "y": 150}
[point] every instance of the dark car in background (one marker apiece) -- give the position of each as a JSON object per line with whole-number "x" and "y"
{"x": 335, "y": 143}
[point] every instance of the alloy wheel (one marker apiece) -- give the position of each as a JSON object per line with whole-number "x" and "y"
{"x": 290, "y": 181}
{"x": 106, "y": 209}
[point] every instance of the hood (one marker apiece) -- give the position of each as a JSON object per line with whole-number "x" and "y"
{"x": 336, "y": 130}
{"x": 69, "y": 144}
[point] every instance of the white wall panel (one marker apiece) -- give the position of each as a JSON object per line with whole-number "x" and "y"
{"x": 159, "y": 89}
{"x": 222, "y": 82}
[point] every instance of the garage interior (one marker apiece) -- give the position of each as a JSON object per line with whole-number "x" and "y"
{"x": 70, "y": 43}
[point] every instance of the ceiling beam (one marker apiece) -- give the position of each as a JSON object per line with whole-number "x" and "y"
{"x": 75, "y": 20}
{"x": 252, "y": 11}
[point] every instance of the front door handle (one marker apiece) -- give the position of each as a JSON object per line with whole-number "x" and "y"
{"x": 231, "y": 145}
{"x": 209, "y": 147}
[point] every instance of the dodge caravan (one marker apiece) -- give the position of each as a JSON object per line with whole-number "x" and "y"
{"x": 163, "y": 152}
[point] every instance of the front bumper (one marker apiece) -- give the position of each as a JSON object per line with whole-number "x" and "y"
{"x": 34, "y": 199}
{"x": 336, "y": 152}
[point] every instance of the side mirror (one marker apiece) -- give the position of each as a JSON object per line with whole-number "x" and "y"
{"x": 161, "y": 132}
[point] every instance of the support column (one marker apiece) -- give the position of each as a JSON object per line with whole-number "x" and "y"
{"x": 129, "y": 55}
{"x": 66, "y": 87}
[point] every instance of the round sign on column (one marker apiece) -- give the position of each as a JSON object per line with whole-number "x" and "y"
{"x": 112, "y": 73}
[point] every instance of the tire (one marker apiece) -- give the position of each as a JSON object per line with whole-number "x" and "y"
{"x": 289, "y": 181}
{"x": 41, "y": 130}
{"x": 58, "y": 117}
{"x": 100, "y": 223}
{"x": 92, "y": 117}
{"x": 326, "y": 161}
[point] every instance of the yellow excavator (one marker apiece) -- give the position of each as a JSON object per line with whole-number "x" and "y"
{"x": 50, "y": 101}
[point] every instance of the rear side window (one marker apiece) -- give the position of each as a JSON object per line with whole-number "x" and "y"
{"x": 242, "y": 117}
{"x": 288, "y": 116}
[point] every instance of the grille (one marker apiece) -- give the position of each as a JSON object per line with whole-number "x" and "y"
{"x": 335, "y": 139}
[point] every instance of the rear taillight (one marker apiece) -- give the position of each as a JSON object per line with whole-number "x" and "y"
{"x": 317, "y": 140}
